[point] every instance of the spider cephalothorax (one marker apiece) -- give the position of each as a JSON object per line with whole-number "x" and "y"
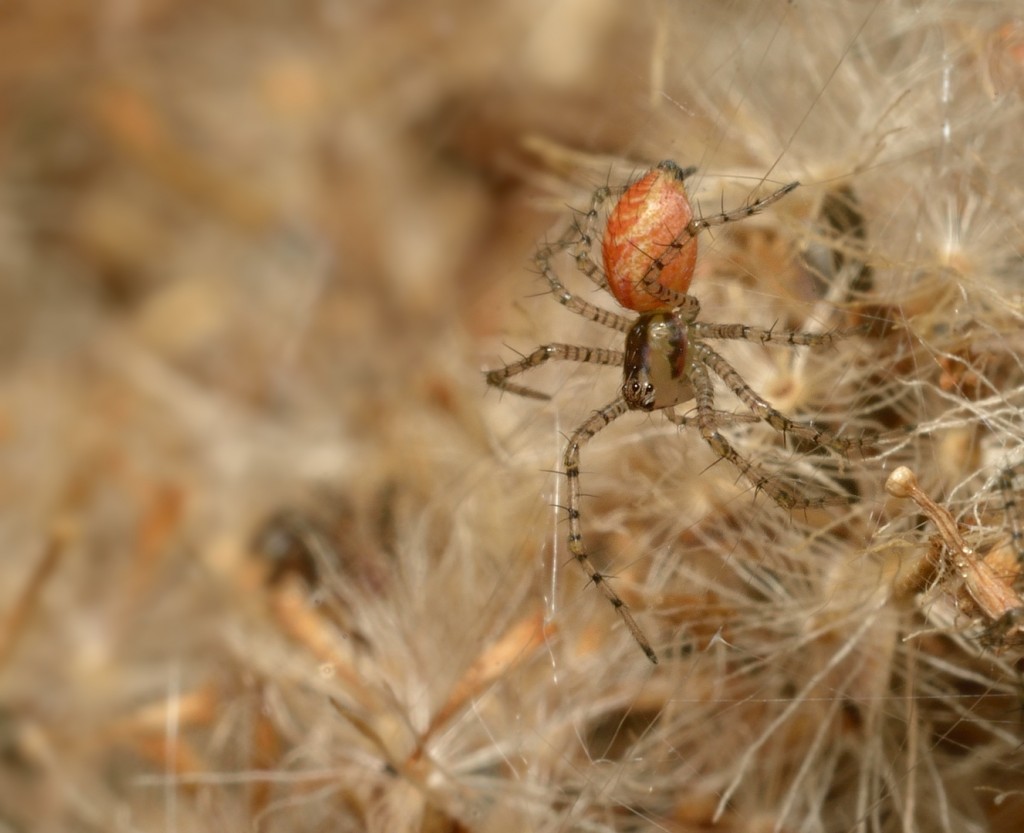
{"x": 649, "y": 253}
{"x": 656, "y": 364}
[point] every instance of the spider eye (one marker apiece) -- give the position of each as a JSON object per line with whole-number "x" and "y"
{"x": 641, "y": 391}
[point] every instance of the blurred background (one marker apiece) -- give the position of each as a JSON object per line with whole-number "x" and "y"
{"x": 273, "y": 558}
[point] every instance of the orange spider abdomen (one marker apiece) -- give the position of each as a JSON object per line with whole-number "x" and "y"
{"x": 646, "y": 238}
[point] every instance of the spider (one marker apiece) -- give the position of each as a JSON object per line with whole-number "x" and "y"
{"x": 649, "y": 250}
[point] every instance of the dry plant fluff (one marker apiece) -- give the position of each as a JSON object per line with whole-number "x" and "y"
{"x": 280, "y": 560}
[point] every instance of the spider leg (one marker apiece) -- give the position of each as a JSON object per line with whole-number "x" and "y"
{"x": 776, "y": 419}
{"x": 707, "y": 423}
{"x": 582, "y": 235}
{"x": 721, "y": 417}
{"x": 499, "y": 377}
{"x": 651, "y": 281}
{"x": 698, "y": 224}
{"x": 571, "y": 302}
{"x": 765, "y": 335}
{"x": 571, "y": 461}
{"x": 1012, "y": 508}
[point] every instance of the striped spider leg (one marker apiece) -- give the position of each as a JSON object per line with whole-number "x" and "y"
{"x": 649, "y": 250}
{"x": 1009, "y": 485}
